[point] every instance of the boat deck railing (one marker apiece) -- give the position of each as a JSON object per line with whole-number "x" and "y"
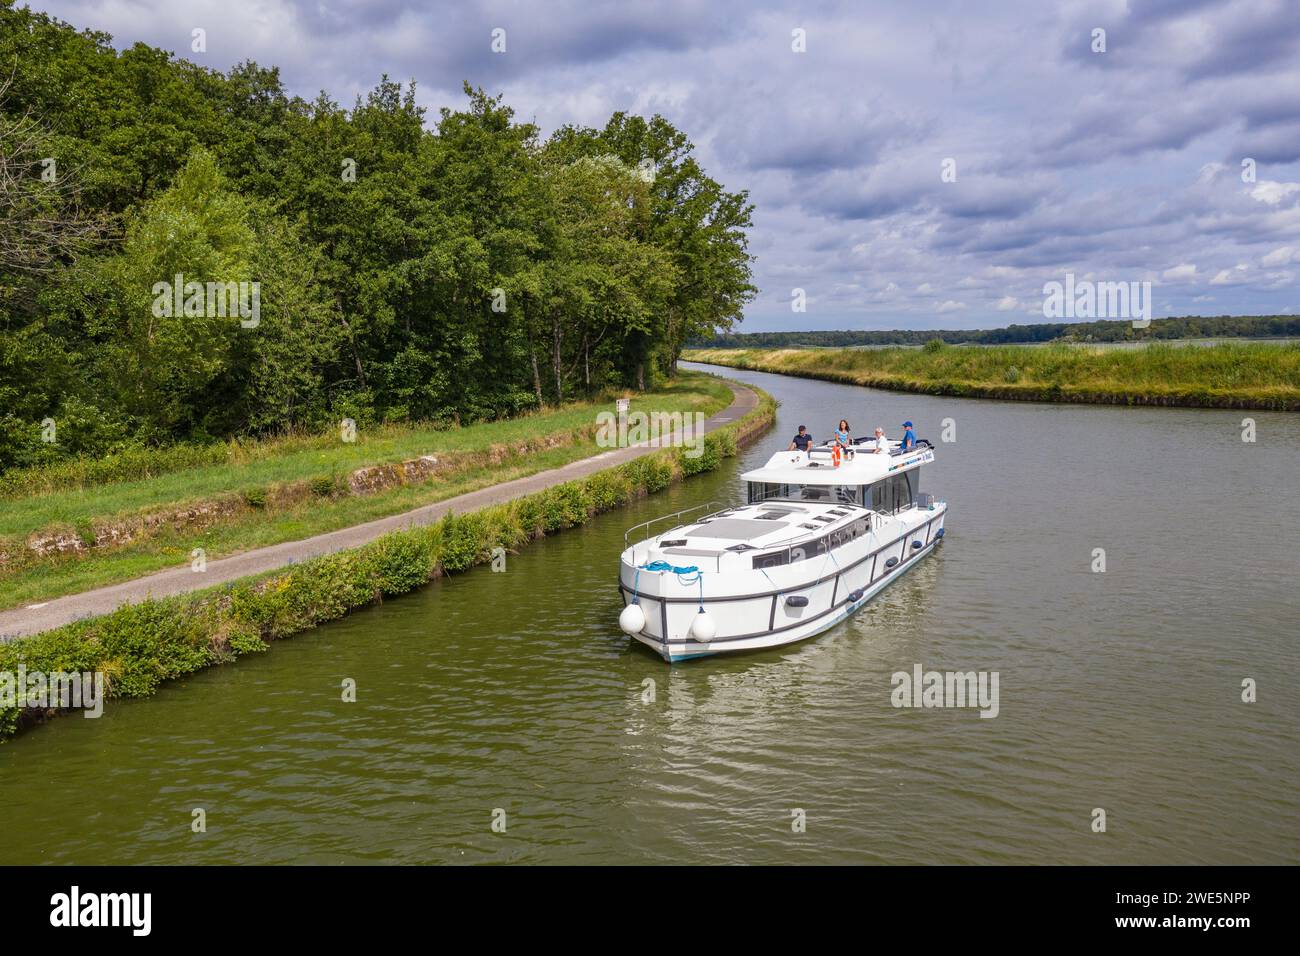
{"x": 676, "y": 514}
{"x": 826, "y": 448}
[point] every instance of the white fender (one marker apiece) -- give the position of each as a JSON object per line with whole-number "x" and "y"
{"x": 632, "y": 620}
{"x": 704, "y": 628}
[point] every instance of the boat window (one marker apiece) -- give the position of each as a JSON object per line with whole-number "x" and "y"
{"x": 895, "y": 493}
{"x": 908, "y": 484}
{"x": 763, "y": 490}
{"x": 760, "y": 491}
{"x": 837, "y": 494}
{"x": 878, "y": 502}
{"x": 809, "y": 549}
{"x": 816, "y": 548}
{"x": 902, "y": 497}
{"x": 772, "y": 560}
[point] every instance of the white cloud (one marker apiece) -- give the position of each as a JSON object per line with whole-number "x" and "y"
{"x": 1210, "y": 172}
{"x": 1184, "y": 271}
{"x": 1280, "y": 257}
{"x": 1270, "y": 192}
{"x": 1007, "y": 303}
{"x": 1233, "y": 276}
{"x": 950, "y": 305}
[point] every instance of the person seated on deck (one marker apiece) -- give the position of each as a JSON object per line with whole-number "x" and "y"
{"x": 909, "y": 437}
{"x": 844, "y": 439}
{"x": 802, "y": 441}
{"x": 882, "y": 443}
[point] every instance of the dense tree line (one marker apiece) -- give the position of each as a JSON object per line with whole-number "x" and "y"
{"x": 457, "y": 270}
{"x": 1106, "y": 330}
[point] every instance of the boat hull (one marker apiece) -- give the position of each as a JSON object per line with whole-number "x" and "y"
{"x": 758, "y": 621}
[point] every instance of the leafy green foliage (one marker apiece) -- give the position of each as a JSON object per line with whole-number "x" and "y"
{"x": 442, "y": 269}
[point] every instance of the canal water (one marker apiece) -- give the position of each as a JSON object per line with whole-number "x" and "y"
{"x": 514, "y": 697}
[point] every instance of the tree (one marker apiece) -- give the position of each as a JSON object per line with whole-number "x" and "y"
{"x": 164, "y": 359}
{"x": 700, "y": 224}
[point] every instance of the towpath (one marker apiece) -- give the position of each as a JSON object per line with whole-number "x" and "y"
{"x": 35, "y": 618}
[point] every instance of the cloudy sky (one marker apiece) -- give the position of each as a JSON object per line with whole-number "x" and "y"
{"x": 1122, "y": 165}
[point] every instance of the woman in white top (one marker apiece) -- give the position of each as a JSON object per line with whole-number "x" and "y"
{"x": 882, "y": 443}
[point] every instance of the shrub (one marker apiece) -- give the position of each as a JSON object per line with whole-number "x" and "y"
{"x": 528, "y": 512}
{"x": 708, "y": 459}
{"x": 400, "y": 562}
{"x": 503, "y": 528}
{"x": 244, "y": 640}
{"x": 254, "y": 497}
{"x": 726, "y": 442}
{"x": 609, "y": 489}
{"x": 462, "y": 541}
{"x": 565, "y": 505}
{"x": 653, "y": 472}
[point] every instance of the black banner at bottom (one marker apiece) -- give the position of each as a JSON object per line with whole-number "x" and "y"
{"x": 333, "y": 905}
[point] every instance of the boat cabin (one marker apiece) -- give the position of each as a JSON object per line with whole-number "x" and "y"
{"x": 886, "y": 482}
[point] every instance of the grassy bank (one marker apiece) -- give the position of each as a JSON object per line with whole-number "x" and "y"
{"x": 140, "y": 646}
{"x": 254, "y": 495}
{"x": 1228, "y": 375}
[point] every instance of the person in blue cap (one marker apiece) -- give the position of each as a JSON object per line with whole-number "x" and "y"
{"x": 909, "y": 436}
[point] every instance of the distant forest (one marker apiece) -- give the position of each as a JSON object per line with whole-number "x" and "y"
{"x": 1190, "y": 327}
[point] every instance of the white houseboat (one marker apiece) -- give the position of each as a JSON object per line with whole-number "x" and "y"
{"x": 822, "y": 533}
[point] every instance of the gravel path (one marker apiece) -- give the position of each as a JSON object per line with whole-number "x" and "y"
{"x": 59, "y": 611}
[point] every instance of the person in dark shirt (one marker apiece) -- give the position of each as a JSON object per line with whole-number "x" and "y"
{"x": 909, "y": 436}
{"x": 802, "y": 441}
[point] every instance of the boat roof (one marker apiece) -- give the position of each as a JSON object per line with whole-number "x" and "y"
{"x": 817, "y": 467}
